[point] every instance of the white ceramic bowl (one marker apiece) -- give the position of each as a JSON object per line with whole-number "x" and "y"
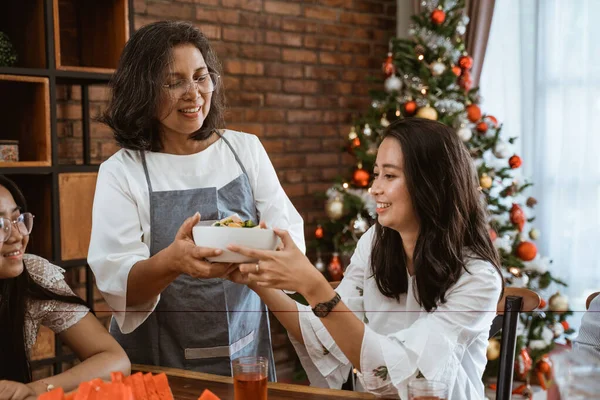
{"x": 220, "y": 237}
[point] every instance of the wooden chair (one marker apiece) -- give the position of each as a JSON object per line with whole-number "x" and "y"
{"x": 589, "y": 299}
{"x": 513, "y": 301}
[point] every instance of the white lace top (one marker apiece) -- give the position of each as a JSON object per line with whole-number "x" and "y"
{"x": 54, "y": 314}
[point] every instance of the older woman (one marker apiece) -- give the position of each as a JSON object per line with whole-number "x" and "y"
{"x": 172, "y": 307}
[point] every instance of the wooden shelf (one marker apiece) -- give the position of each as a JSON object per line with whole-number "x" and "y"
{"x": 89, "y": 35}
{"x": 76, "y": 192}
{"x": 23, "y": 22}
{"x": 25, "y": 116}
{"x": 37, "y": 190}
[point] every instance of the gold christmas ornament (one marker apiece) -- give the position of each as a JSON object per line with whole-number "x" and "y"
{"x": 465, "y": 134}
{"x": 384, "y": 122}
{"x": 534, "y": 234}
{"x": 427, "y": 112}
{"x": 485, "y": 181}
{"x": 352, "y": 135}
{"x": 334, "y": 208}
{"x": 558, "y": 303}
{"x": 493, "y": 349}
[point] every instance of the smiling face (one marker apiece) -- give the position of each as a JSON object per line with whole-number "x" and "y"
{"x": 183, "y": 108}
{"x": 394, "y": 205}
{"x": 11, "y": 262}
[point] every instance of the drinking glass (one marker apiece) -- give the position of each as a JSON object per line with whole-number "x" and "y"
{"x": 421, "y": 389}
{"x": 250, "y": 378}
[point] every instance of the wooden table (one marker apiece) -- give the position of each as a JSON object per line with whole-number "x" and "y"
{"x": 188, "y": 385}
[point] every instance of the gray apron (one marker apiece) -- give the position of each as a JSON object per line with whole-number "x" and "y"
{"x": 200, "y": 324}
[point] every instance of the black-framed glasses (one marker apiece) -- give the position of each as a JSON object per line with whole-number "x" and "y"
{"x": 23, "y": 223}
{"x": 205, "y": 84}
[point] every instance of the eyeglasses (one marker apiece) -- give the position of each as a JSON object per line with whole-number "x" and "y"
{"x": 24, "y": 224}
{"x": 206, "y": 83}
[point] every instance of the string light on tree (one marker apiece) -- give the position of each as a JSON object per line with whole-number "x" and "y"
{"x": 367, "y": 131}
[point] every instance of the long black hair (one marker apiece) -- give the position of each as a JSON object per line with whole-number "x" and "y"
{"x": 443, "y": 188}
{"x": 137, "y": 84}
{"x": 14, "y": 293}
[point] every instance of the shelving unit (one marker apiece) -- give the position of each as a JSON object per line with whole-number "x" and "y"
{"x": 73, "y": 42}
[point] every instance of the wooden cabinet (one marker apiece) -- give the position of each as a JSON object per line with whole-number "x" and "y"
{"x": 58, "y": 42}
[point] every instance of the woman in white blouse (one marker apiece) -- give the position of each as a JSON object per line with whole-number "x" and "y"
{"x": 420, "y": 293}
{"x": 177, "y": 165}
{"x": 33, "y": 292}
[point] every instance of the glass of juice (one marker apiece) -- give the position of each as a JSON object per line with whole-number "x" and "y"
{"x": 421, "y": 389}
{"x": 250, "y": 378}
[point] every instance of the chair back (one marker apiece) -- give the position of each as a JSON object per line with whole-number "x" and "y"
{"x": 514, "y": 300}
{"x": 589, "y": 299}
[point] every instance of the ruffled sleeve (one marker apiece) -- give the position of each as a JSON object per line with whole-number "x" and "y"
{"x": 56, "y": 315}
{"x": 324, "y": 362}
{"x": 434, "y": 345}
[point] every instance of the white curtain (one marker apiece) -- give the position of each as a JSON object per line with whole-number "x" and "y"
{"x": 541, "y": 77}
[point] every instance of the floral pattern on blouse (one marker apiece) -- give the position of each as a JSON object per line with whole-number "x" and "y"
{"x": 54, "y": 314}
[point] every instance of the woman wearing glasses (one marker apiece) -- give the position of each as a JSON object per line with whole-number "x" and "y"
{"x": 170, "y": 306}
{"x": 33, "y": 292}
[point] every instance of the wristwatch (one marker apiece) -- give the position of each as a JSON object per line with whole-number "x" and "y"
{"x": 321, "y": 310}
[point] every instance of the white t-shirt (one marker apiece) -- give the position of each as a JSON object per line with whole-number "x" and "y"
{"x": 401, "y": 339}
{"x": 121, "y": 214}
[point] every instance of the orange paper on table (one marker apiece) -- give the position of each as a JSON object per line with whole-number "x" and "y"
{"x": 208, "y": 395}
{"x": 138, "y": 386}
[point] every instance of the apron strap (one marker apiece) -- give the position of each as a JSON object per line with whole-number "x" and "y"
{"x": 143, "y": 155}
{"x": 234, "y": 153}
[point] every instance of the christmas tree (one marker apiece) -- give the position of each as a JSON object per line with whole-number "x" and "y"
{"x": 428, "y": 76}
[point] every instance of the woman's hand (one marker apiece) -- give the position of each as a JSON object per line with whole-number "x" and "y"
{"x": 287, "y": 269}
{"x": 187, "y": 258}
{"x": 10, "y": 390}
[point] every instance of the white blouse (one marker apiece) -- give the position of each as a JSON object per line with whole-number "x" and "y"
{"x": 402, "y": 340}
{"x": 56, "y": 315}
{"x": 121, "y": 213}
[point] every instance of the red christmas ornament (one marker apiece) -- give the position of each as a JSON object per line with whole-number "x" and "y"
{"x": 542, "y": 304}
{"x": 514, "y": 162}
{"x": 335, "y": 268}
{"x": 438, "y": 16}
{"x": 361, "y": 178}
{"x": 526, "y": 251}
{"x": 388, "y": 66}
{"x": 473, "y": 112}
{"x": 410, "y": 107}
{"x": 517, "y": 216}
{"x": 493, "y": 119}
{"x": 355, "y": 143}
{"x": 482, "y": 127}
{"x": 493, "y": 234}
{"x": 565, "y": 325}
{"x": 465, "y": 62}
{"x": 523, "y": 364}
{"x": 319, "y": 232}
{"x": 465, "y": 81}
{"x": 456, "y": 70}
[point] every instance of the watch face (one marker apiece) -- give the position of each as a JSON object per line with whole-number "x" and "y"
{"x": 321, "y": 310}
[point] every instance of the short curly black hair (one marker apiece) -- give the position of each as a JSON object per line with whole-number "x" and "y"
{"x": 137, "y": 85}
